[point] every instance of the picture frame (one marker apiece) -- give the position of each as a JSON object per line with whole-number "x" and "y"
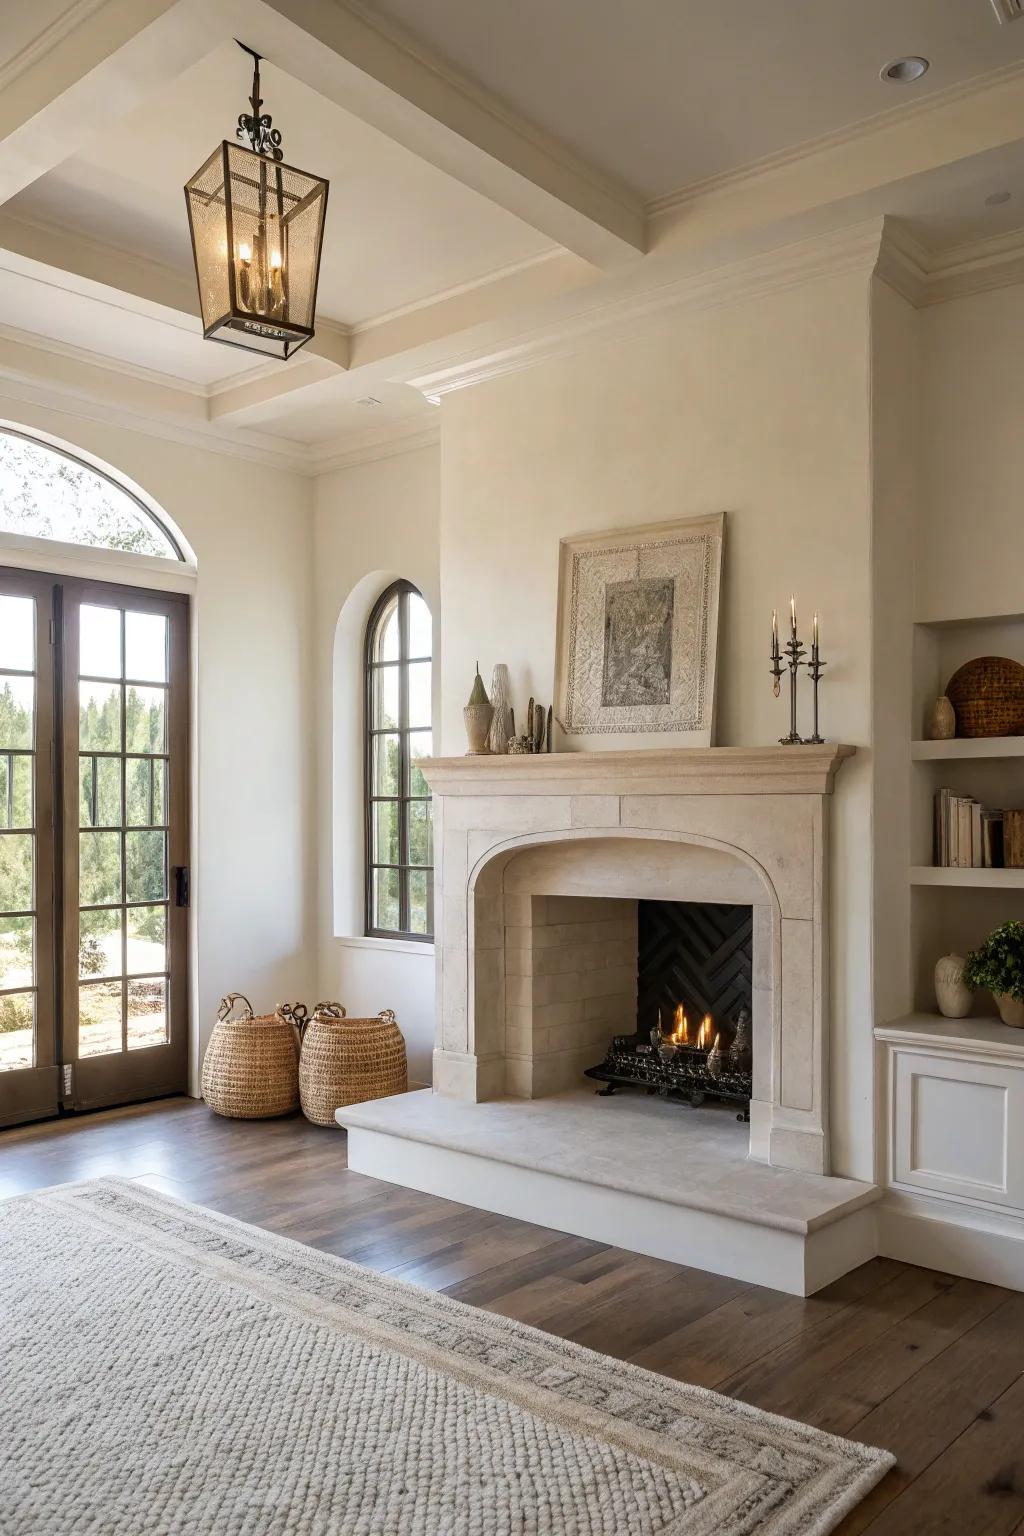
{"x": 636, "y": 648}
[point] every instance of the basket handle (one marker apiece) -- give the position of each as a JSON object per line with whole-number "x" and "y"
{"x": 329, "y": 1011}
{"x": 297, "y": 1015}
{"x": 389, "y": 1015}
{"x": 228, "y": 1003}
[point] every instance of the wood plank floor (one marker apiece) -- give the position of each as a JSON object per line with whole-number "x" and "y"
{"x": 926, "y": 1364}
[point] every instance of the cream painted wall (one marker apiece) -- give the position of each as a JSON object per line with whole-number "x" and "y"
{"x": 761, "y": 409}
{"x": 971, "y": 538}
{"x": 253, "y": 876}
{"x": 373, "y": 523}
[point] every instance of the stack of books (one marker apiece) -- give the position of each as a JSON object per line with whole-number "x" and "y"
{"x": 967, "y": 836}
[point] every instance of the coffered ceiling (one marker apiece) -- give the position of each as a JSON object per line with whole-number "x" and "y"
{"x": 496, "y": 170}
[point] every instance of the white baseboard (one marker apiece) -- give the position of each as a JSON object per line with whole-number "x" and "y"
{"x": 954, "y": 1237}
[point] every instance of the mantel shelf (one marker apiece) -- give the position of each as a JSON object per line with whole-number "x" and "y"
{"x": 993, "y": 879}
{"x": 774, "y": 770}
{"x": 962, "y": 747}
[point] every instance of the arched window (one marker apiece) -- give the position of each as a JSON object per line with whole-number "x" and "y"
{"x": 399, "y": 843}
{"x": 47, "y": 493}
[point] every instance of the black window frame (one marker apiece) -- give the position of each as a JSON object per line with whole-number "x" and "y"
{"x": 401, "y": 591}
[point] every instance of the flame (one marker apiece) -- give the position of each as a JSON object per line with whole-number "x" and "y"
{"x": 704, "y": 1032}
{"x": 681, "y": 1033}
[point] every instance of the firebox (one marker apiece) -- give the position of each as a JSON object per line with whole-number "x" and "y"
{"x": 693, "y": 1039}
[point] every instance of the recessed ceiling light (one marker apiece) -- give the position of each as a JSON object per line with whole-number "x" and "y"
{"x": 995, "y": 198}
{"x": 905, "y": 71}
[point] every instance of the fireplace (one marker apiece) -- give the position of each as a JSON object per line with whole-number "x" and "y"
{"x": 729, "y": 825}
{"x": 693, "y": 1040}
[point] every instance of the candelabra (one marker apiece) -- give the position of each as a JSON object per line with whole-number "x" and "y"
{"x": 791, "y": 656}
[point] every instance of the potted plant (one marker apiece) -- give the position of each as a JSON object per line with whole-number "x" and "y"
{"x": 999, "y": 966}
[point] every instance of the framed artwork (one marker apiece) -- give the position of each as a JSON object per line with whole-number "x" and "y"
{"x": 637, "y": 642}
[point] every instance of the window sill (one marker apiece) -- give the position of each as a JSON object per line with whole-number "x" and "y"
{"x": 394, "y": 946}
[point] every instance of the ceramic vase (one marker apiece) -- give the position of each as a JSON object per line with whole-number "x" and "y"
{"x": 478, "y": 715}
{"x": 942, "y": 720}
{"x": 952, "y": 993}
{"x": 1011, "y": 1009}
{"x": 501, "y": 702}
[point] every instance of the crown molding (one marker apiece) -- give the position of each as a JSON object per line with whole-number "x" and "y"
{"x": 102, "y": 360}
{"x": 62, "y": 25}
{"x": 850, "y": 249}
{"x": 926, "y": 278}
{"x": 68, "y": 400}
{"x": 744, "y": 176}
{"x": 342, "y": 452}
{"x": 404, "y": 437}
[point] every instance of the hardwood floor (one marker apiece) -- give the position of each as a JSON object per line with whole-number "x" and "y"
{"x": 926, "y": 1364}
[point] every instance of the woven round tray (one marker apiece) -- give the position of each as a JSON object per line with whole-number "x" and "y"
{"x": 251, "y": 1066}
{"x": 987, "y": 695}
{"x": 347, "y": 1061}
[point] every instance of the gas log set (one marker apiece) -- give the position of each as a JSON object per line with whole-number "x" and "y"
{"x": 685, "y": 1065}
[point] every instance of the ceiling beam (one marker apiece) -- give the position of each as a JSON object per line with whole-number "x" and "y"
{"x": 54, "y": 99}
{"x": 387, "y": 79}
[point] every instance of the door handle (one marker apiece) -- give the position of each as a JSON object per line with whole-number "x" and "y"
{"x": 182, "y": 891}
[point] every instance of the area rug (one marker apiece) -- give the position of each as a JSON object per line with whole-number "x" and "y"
{"x": 164, "y": 1369}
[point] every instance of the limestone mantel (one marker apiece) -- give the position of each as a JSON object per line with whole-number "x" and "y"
{"x": 743, "y": 824}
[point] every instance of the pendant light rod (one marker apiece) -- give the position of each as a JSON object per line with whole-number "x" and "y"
{"x": 257, "y": 126}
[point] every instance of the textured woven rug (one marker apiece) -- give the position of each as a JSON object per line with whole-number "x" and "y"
{"x": 165, "y": 1369}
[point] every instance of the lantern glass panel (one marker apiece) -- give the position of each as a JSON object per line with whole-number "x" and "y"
{"x": 207, "y": 208}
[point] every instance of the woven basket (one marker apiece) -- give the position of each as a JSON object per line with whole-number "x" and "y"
{"x": 987, "y": 695}
{"x": 347, "y": 1061}
{"x": 251, "y": 1067}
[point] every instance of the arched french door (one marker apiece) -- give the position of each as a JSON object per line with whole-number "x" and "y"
{"x": 94, "y": 811}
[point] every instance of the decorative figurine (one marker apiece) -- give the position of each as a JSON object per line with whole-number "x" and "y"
{"x": 952, "y": 993}
{"x": 503, "y": 723}
{"x": 478, "y": 714}
{"x": 942, "y": 721}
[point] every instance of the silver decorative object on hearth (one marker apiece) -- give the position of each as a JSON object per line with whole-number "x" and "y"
{"x": 741, "y": 1052}
{"x": 503, "y": 723}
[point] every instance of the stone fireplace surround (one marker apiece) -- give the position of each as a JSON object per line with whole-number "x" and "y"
{"x": 539, "y": 864}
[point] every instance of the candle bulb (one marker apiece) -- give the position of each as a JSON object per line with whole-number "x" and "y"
{"x": 792, "y": 615}
{"x": 815, "y": 631}
{"x": 775, "y": 633}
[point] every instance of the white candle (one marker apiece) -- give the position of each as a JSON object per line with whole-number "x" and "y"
{"x": 815, "y": 629}
{"x": 792, "y": 615}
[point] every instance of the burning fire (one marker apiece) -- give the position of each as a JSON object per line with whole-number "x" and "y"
{"x": 681, "y": 1033}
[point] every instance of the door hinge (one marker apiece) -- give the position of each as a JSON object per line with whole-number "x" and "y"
{"x": 182, "y": 890}
{"x": 69, "y": 1079}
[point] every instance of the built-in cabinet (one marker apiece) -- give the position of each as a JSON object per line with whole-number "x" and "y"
{"x": 952, "y": 1090}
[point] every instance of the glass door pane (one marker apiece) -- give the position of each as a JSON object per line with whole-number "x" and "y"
{"x": 28, "y": 1071}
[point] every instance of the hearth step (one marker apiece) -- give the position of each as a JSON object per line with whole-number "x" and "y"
{"x": 637, "y": 1174}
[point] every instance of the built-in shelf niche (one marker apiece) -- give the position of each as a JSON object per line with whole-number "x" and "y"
{"x": 954, "y": 909}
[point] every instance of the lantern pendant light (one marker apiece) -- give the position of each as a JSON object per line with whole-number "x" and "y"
{"x": 257, "y": 230}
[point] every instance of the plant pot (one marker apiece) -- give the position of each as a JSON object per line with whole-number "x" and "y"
{"x": 1011, "y": 1009}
